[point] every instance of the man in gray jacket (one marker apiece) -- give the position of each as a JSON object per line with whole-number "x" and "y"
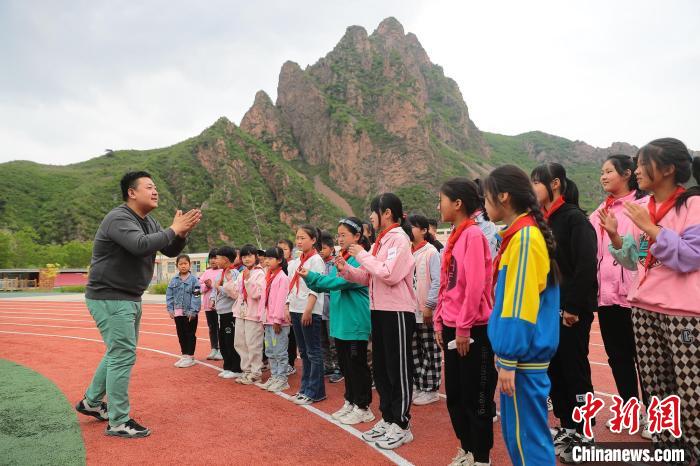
{"x": 123, "y": 258}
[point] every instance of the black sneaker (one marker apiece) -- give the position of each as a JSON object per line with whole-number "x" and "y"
{"x": 328, "y": 372}
{"x": 98, "y": 412}
{"x": 335, "y": 378}
{"x": 130, "y": 429}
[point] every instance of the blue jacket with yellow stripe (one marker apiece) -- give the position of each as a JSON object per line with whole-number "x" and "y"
{"x": 524, "y": 325}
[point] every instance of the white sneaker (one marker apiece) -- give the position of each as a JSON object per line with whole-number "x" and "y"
{"x": 266, "y": 384}
{"x": 280, "y": 384}
{"x": 644, "y": 428}
{"x": 550, "y": 405}
{"x": 376, "y": 432}
{"x": 345, "y": 409}
{"x": 179, "y": 362}
{"x": 302, "y": 400}
{"x": 394, "y": 437}
{"x": 229, "y": 375}
{"x": 562, "y": 440}
{"x": 213, "y": 353}
{"x": 462, "y": 458}
{"x": 357, "y": 415}
{"x": 417, "y": 396}
{"x": 187, "y": 362}
{"x": 482, "y": 464}
{"x": 218, "y": 356}
{"x": 427, "y": 398}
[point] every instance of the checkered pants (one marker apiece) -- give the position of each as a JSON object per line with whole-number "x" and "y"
{"x": 427, "y": 359}
{"x": 668, "y": 348}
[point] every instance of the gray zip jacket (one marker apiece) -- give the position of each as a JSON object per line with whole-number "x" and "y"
{"x": 124, "y": 254}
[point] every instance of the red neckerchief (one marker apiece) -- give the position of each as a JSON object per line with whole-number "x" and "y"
{"x": 553, "y": 208}
{"x": 268, "y": 281}
{"x": 303, "y": 259}
{"x": 524, "y": 220}
{"x": 328, "y": 259}
{"x": 375, "y": 249}
{"x": 447, "y": 257}
{"x": 245, "y": 292}
{"x": 345, "y": 254}
{"x": 656, "y": 217}
{"x": 420, "y": 245}
{"x": 223, "y": 273}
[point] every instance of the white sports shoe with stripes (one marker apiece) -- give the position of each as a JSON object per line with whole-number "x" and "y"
{"x": 394, "y": 437}
{"x": 376, "y": 432}
{"x": 345, "y": 409}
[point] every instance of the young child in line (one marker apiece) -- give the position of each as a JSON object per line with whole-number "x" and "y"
{"x": 427, "y": 357}
{"x": 524, "y": 325}
{"x": 464, "y": 305}
{"x": 614, "y": 311}
{"x": 273, "y": 314}
{"x": 576, "y": 258}
{"x": 206, "y": 283}
{"x": 287, "y": 247}
{"x": 306, "y": 310}
{"x": 223, "y": 302}
{"x": 330, "y": 357}
{"x": 664, "y": 247}
{"x": 350, "y": 326}
{"x": 183, "y": 301}
{"x": 388, "y": 270}
{"x": 246, "y": 290}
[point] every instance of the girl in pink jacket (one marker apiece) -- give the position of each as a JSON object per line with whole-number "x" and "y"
{"x": 664, "y": 248}
{"x": 273, "y": 314}
{"x": 614, "y": 281}
{"x": 388, "y": 270}
{"x": 207, "y": 283}
{"x": 461, "y": 318}
{"x": 248, "y": 339}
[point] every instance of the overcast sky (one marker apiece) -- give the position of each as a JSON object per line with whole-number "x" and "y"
{"x": 79, "y": 77}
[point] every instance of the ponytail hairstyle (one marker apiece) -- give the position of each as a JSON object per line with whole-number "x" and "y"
{"x": 277, "y": 253}
{"x": 421, "y": 221}
{"x": 665, "y": 152}
{"x": 392, "y": 202}
{"x": 622, "y": 163}
{"x": 551, "y": 171}
{"x": 355, "y": 226}
{"x": 512, "y": 180}
{"x": 482, "y": 207}
{"x": 250, "y": 250}
{"x": 465, "y": 190}
{"x": 314, "y": 233}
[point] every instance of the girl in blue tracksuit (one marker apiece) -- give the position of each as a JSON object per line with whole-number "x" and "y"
{"x": 524, "y": 325}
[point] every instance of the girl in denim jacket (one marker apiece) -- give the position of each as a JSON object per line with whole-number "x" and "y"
{"x": 183, "y": 301}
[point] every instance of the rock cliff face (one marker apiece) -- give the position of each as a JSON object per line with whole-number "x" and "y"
{"x": 374, "y": 112}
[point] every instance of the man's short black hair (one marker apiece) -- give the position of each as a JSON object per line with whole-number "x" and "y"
{"x": 130, "y": 180}
{"x": 432, "y": 222}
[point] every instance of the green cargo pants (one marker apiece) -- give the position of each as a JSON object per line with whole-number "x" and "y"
{"x": 118, "y": 322}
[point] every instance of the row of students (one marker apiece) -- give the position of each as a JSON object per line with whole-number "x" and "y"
{"x": 531, "y": 305}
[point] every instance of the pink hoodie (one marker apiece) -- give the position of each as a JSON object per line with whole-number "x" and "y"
{"x": 272, "y": 310}
{"x": 254, "y": 287}
{"x": 614, "y": 281}
{"x": 672, "y": 285}
{"x": 465, "y": 298}
{"x": 389, "y": 274}
{"x": 209, "y": 274}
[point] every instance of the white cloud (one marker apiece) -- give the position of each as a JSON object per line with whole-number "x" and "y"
{"x": 86, "y": 76}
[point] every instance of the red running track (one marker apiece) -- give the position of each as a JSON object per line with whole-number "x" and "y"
{"x": 197, "y": 417}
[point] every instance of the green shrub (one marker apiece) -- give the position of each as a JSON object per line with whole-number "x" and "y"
{"x": 158, "y": 288}
{"x": 72, "y": 289}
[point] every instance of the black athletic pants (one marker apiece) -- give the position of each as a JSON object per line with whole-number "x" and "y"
{"x": 352, "y": 358}
{"x": 227, "y": 333}
{"x": 213, "y": 324}
{"x": 186, "y": 333}
{"x": 392, "y": 364}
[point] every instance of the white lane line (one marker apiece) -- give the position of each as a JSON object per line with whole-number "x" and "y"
{"x": 70, "y": 314}
{"x": 90, "y": 328}
{"x": 389, "y": 454}
{"x": 78, "y": 320}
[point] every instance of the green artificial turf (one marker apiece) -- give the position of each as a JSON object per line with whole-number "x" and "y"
{"x": 37, "y": 423}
